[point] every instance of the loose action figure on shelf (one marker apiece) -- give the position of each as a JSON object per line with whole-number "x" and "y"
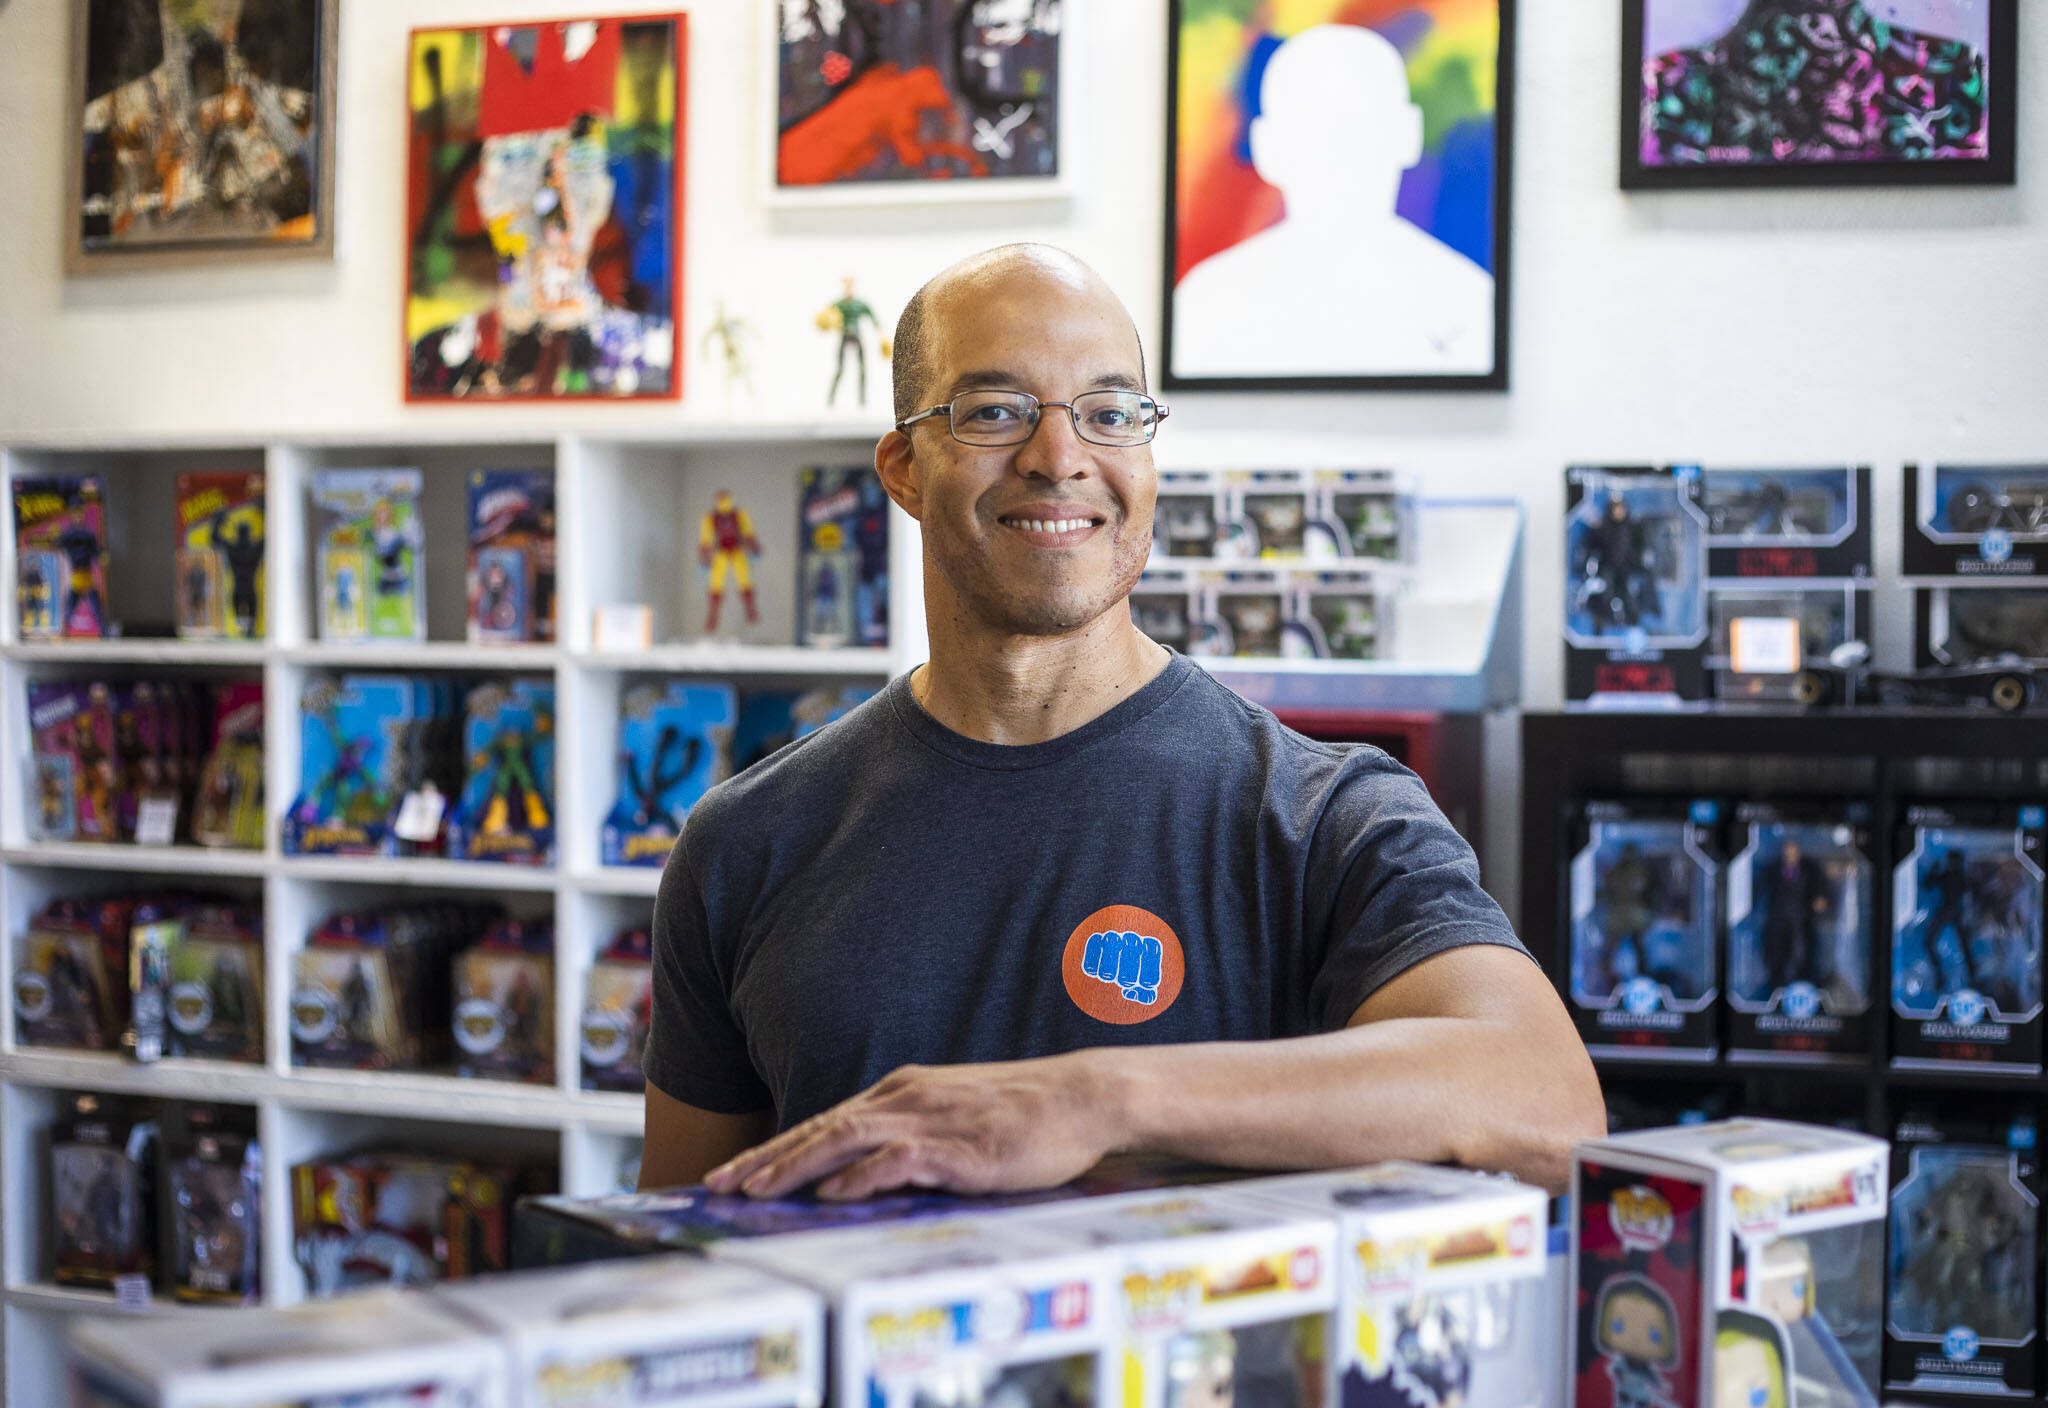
{"x": 729, "y": 335}
{"x": 848, "y": 316}
{"x": 724, "y": 545}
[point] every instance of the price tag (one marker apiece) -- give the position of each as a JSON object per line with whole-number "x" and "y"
{"x": 156, "y": 822}
{"x": 131, "y": 1292}
{"x": 623, "y": 627}
{"x": 419, "y": 815}
{"x": 1764, "y": 645}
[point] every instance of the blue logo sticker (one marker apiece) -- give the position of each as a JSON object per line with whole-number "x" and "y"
{"x": 2033, "y": 818}
{"x": 1966, "y": 1008}
{"x": 1639, "y": 996}
{"x": 1960, "y": 1343}
{"x": 1126, "y": 961}
{"x": 1635, "y": 640}
{"x": 1995, "y": 545}
{"x": 1802, "y": 1001}
{"x": 1706, "y": 813}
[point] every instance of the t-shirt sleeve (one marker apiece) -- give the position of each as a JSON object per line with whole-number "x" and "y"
{"x": 1390, "y": 882}
{"x": 696, "y": 1052}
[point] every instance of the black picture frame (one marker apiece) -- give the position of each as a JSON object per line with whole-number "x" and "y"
{"x": 1493, "y": 380}
{"x": 1997, "y": 169}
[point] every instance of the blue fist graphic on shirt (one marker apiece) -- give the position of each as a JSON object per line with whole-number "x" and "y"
{"x": 1126, "y": 961}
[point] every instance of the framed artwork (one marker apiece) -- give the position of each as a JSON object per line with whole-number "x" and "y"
{"x": 1338, "y": 191}
{"x": 544, "y": 185}
{"x": 205, "y": 132}
{"x": 1718, "y": 93}
{"x": 881, "y": 101}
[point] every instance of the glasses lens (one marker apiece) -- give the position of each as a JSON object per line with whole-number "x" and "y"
{"x": 1115, "y": 417}
{"x": 994, "y": 417}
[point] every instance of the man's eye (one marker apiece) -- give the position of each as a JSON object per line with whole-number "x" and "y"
{"x": 994, "y": 414}
{"x": 1114, "y": 418}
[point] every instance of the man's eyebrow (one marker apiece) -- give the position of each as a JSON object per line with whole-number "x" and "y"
{"x": 995, "y": 379}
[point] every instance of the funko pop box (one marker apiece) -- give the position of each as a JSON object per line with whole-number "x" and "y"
{"x": 1208, "y": 1291}
{"x": 382, "y": 1347}
{"x": 1440, "y": 1277}
{"x": 671, "y": 1330}
{"x": 1740, "y": 1256}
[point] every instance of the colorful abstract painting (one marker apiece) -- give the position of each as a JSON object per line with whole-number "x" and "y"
{"x": 206, "y": 126}
{"x": 544, "y": 191}
{"x": 910, "y": 93}
{"x": 1866, "y": 90}
{"x": 1338, "y": 194}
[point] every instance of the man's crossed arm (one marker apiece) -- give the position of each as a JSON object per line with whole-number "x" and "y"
{"x": 1466, "y": 1058}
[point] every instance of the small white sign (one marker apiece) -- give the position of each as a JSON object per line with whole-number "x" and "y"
{"x": 131, "y": 1292}
{"x": 419, "y": 815}
{"x": 623, "y": 626}
{"x": 156, "y": 822}
{"x": 1764, "y": 645}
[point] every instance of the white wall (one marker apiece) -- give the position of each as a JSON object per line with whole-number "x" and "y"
{"x": 1753, "y": 327}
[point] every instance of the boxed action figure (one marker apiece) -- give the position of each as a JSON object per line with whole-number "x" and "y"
{"x": 960, "y": 1310}
{"x": 1787, "y": 523}
{"x": 372, "y": 991}
{"x": 504, "y": 1017}
{"x": 371, "y": 583}
{"x": 103, "y": 1158}
{"x": 213, "y": 1172}
{"x": 1245, "y": 613}
{"x": 227, "y": 805}
{"x": 71, "y": 975}
{"x": 1340, "y": 614}
{"x": 1635, "y": 605}
{"x": 842, "y": 570}
{"x": 1800, "y": 905}
{"x": 1440, "y": 1281}
{"x": 1270, "y": 514}
{"x": 215, "y": 1008}
{"x": 511, "y": 555}
{"x": 1210, "y": 1295}
{"x": 1644, "y": 912}
{"x": 60, "y": 554}
{"x": 402, "y": 1219}
{"x": 673, "y": 1330}
{"x": 371, "y": 1349}
{"x": 675, "y": 743}
{"x": 1781, "y": 645}
{"x": 219, "y": 560}
{"x": 1736, "y": 1262}
{"x": 1187, "y": 517}
{"x": 353, "y": 741}
{"x": 1966, "y": 936}
{"x": 1962, "y": 1315}
{"x": 1976, "y": 520}
{"x": 77, "y": 772}
{"x": 506, "y": 810}
{"x": 1165, "y": 606}
{"x": 1972, "y": 625}
{"x": 617, "y": 1010}
{"x": 1365, "y": 509}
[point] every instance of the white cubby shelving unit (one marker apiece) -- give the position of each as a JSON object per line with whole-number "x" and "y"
{"x": 628, "y": 508}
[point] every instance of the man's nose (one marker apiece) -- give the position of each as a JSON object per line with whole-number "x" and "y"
{"x": 1054, "y": 452}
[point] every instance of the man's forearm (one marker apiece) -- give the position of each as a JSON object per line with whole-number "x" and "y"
{"x": 1434, "y": 1089}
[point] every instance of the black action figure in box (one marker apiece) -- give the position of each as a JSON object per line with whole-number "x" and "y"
{"x": 1948, "y": 879}
{"x": 1614, "y": 563}
{"x": 1795, "y": 899}
{"x": 1630, "y": 894}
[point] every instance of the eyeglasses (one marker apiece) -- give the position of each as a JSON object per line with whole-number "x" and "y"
{"x": 1119, "y": 418}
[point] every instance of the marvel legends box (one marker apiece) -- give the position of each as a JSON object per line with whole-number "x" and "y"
{"x": 1968, "y": 624}
{"x": 1966, "y": 936}
{"x": 953, "y": 1310}
{"x": 1787, "y": 523}
{"x": 1635, "y": 602}
{"x": 1208, "y": 1292}
{"x": 1781, "y": 643}
{"x": 618, "y": 1008}
{"x": 215, "y": 1004}
{"x": 380, "y": 1347}
{"x": 103, "y": 1203}
{"x": 213, "y": 1186}
{"x": 1735, "y": 1262}
{"x": 669, "y": 1330}
{"x": 1643, "y": 890}
{"x": 1440, "y": 1281}
{"x": 511, "y": 555}
{"x": 1976, "y": 521}
{"x": 1801, "y": 896}
{"x": 504, "y": 1004}
{"x": 1962, "y": 1314}
{"x": 71, "y": 975}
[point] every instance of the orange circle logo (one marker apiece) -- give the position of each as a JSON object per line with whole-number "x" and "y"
{"x": 1123, "y": 965}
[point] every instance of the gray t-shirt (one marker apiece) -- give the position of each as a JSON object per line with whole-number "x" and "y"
{"x": 1183, "y": 868}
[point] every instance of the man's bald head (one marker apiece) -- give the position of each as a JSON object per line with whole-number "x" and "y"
{"x": 952, "y": 293}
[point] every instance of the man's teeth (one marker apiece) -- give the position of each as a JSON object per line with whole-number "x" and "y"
{"x": 1056, "y": 525}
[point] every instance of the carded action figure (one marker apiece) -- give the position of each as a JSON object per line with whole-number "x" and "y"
{"x": 1616, "y": 568}
{"x": 1795, "y": 897}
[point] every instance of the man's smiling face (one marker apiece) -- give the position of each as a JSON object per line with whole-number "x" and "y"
{"x": 1044, "y": 537}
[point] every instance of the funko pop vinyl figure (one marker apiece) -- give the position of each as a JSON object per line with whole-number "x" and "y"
{"x": 1637, "y": 1333}
{"x": 1785, "y": 1280}
{"x": 1201, "y": 1371}
{"x": 1749, "y": 1362}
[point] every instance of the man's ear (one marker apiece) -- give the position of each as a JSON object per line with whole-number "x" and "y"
{"x": 896, "y": 466}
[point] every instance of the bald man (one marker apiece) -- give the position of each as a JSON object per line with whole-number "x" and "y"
{"x": 1057, "y": 893}
{"x": 1342, "y": 285}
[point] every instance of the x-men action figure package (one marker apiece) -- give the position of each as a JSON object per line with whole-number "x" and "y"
{"x": 511, "y": 555}
{"x": 1209, "y": 1294}
{"x": 1729, "y": 1263}
{"x": 668, "y": 1330}
{"x": 220, "y": 557}
{"x": 1440, "y": 1285}
{"x": 1966, "y": 935}
{"x": 1787, "y": 523}
{"x": 1635, "y": 624}
{"x": 366, "y": 524}
{"x": 962, "y": 1310}
{"x": 60, "y": 558}
{"x": 1977, "y": 520}
{"x": 374, "y": 1348}
{"x": 1644, "y": 913}
{"x": 1966, "y": 1196}
{"x": 842, "y": 558}
{"x": 1800, "y": 895}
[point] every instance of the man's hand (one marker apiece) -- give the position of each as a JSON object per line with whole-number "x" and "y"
{"x": 990, "y": 1128}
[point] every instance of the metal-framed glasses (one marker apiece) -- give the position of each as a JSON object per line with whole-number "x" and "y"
{"x": 1011, "y": 417}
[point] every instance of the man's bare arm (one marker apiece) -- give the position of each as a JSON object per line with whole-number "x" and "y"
{"x": 1468, "y": 1057}
{"x": 684, "y": 1142}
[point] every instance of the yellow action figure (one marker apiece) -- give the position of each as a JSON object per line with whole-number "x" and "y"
{"x": 724, "y": 545}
